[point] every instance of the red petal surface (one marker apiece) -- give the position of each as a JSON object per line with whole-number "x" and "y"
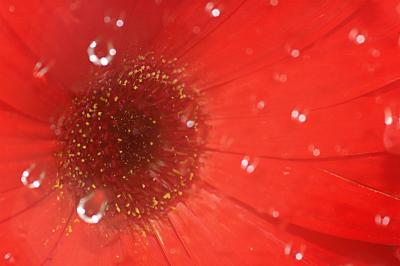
{"x": 302, "y": 104}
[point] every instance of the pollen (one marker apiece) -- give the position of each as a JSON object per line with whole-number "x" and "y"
{"x": 127, "y": 137}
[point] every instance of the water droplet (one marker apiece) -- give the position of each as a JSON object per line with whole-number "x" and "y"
{"x": 101, "y": 61}
{"x": 295, "y": 53}
{"x": 248, "y": 166}
{"x": 298, "y": 256}
{"x": 275, "y": 213}
{"x": 391, "y": 135}
{"x": 273, "y": 2}
{"x": 190, "y": 123}
{"x": 196, "y": 29}
{"x": 36, "y": 183}
{"x": 40, "y": 69}
{"x": 260, "y": 105}
{"x": 296, "y": 115}
{"x": 11, "y": 9}
{"x": 357, "y": 37}
{"x": 119, "y": 23}
{"x": 279, "y": 77}
{"x": 107, "y": 19}
{"x": 288, "y": 249}
{"x": 388, "y": 117}
{"x": 375, "y": 52}
{"x": 212, "y": 10}
{"x": 314, "y": 150}
{"x": 215, "y": 12}
{"x": 96, "y": 201}
{"x": 382, "y": 220}
{"x": 9, "y": 258}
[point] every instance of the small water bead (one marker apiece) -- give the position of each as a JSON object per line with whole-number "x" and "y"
{"x": 273, "y": 2}
{"x": 296, "y": 115}
{"x": 260, "y": 105}
{"x": 11, "y": 9}
{"x": 107, "y": 19}
{"x": 190, "y": 123}
{"x": 279, "y": 77}
{"x": 35, "y": 183}
{"x": 357, "y": 37}
{"x": 275, "y": 213}
{"x": 83, "y": 211}
{"x": 215, "y": 12}
{"x": 314, "y": 150}
{"x": 119, "y": 23}
{"x": 40, "y": 69}
{"x": 382, "y": 220}
{"x": 295, "y": 53}
{"x": 247, "y": 166}
{"x": 288, "y": 249}
{"x": 9, "y": 258}
{"x": 391, "y": 134}
{"x": 298, "y": 256}
{"x": 212, "y": 10}
{"x": 104, "y": 60}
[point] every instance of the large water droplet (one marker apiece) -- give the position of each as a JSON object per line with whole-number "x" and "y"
{"x": 91, "y": 208}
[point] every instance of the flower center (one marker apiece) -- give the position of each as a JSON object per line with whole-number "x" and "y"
{"x": 133, "y": 138}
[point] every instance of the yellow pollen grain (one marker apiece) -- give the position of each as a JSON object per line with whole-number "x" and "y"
{"x": 167, "y": 195}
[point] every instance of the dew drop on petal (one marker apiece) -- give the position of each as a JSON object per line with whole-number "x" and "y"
{"x": 9, "y": 258}
{"x": 248, "y": 165}
{"x": 196, "y": 30}
{"x": 302, "y": 118}
{"x": 245, "y": 162}
{"x": 102, "y": 60}
{"x": 280, "y": 77}
{"x": 190, "y": 123}
{"x": 273, "y": 2}
{"x": 11, "y": 8}
{"x": 382, "y": 220}
{"x": 107, "y": 19}
{"x": 37, "y": 178}
{"x": 40, "y": 69}
{"x": 391, "y": 134}
{"x": 91, "y": 208}
{"x": 215, "y": 12}
{"x": 295, "y": 114}
{"x": 260, "y": 105}
{"x": 119, "y": 23}
{"x": 357, "y": 37}
{"x": 298, "y": 256}
{"x": 288, "y": 249}
{"x": 275, "y": 213}
{"x": 295, "y": 53}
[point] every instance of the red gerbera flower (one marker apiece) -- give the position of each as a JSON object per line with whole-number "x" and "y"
{"x": 199, "y": 132}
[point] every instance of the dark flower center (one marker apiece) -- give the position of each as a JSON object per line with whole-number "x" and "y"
{"x": 134, "y": 139}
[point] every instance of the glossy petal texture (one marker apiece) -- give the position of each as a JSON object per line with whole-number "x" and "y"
{"x": 303, "y": 109}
